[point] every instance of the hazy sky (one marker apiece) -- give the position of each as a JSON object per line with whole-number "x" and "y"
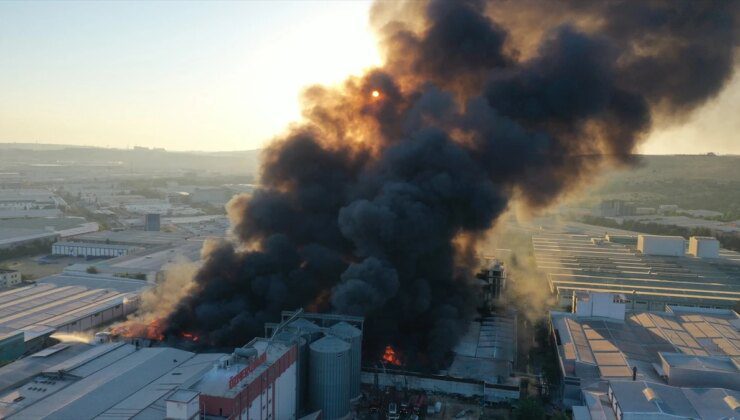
{"x": 209, "y": 75}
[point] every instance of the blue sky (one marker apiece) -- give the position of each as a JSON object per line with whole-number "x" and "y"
{"x": 190, "y": 75}
{"x": 210, "y": 75}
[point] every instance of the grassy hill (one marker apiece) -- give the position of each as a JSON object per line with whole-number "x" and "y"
{"x": 690, "y": 181}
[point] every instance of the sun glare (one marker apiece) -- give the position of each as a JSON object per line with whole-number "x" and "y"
{"x": 376, "y": 94}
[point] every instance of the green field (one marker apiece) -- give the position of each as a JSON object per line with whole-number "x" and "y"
{"x": 691, "y": 182}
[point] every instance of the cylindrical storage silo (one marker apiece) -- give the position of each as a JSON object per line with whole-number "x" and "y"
{"x": 328, "y": 377}
{"x": 353, "y": 336}
{"x": 308, "y": 330}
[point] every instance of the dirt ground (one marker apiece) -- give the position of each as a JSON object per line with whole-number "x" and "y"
{"x": 32, "y": 268}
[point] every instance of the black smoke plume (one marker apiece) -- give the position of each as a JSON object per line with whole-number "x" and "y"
{"x": 372, "y": 206}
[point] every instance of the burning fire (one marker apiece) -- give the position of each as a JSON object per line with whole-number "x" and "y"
{"x": 190, "y": 336}
{"x": 375, "y": 94}
{"x": 152, "y": 331}
{"x": 390, "y": 356}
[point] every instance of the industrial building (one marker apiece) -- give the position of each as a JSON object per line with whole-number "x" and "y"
{"x": 149, "y": 263}
{"x": 306, "y": 355}
{"x": 601, "y": 347}
{"x": 257, "y": 381}
{"x": 583, "y": 259}
{"x": 19, "y": 372}
{"x": 481, "y": 368}
{"x": 487, "y": 351}
{"x": 12, "y": 345}
{"x": 23, "y": 230}
{"x": 110, "y": 380}
{"x": 152, "y": 222}
{"x": 307, "y": 363}
{"x": 13, "y": 238}
{"x": 27, "y": 199}
{"x": 216, "y": 196}
{"x": 9, "y": 278}
{"x": 91, "y": 250}
{"x": 132, "y": 237}
{"x": 329, "y": 360}
{"x": 63, "y": 303}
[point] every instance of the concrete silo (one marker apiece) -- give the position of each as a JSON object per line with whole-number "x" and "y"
{"x": 329, "y": 377}
{"x": 353, "y": 336}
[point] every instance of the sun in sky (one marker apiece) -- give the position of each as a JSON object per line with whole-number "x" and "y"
{"x": 195, "y": 76}
{"x": 211, "y": 75}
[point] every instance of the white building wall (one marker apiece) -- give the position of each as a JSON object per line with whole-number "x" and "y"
{"x": 661, "y": 245}
{"x": 88, "y": 250}
{"x": 285, "y": 402}
{"x": 605, "y": 305}
{"x": 177, "y": 410}
{"x": 704, "y": 247}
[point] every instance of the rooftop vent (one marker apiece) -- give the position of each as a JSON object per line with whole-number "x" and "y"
{"x": 732, "y": 402}
{"x": 650, "y": 395}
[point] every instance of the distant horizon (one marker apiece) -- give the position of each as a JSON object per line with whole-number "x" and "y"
{"x": 154, "y": 148}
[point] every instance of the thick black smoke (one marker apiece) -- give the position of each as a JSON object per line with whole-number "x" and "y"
{"x": 373, "y": 205}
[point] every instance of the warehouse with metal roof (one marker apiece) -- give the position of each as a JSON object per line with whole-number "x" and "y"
{"x": 63, "y": 303}
{"x": 113, "y": 380}
{"x": 682, "y": 347}
{"x": 584, "y": 262}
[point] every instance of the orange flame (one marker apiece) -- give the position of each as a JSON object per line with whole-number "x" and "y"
{"x": 190, "y": 336}
{"x": 152, "y": 331}
{"x": 390, "y": 356}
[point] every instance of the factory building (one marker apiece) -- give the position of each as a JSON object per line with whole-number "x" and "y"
{"x": 28, "y": 199}
{"x": 91, "y": 250}
{"x": 482, "y": 365}
{"x": 683, "y": 350}
{"x": 216, "y": 196}
{"x": 110, "y": 380}
{"x": 152, "y": 222}
{"x": 9, "y": 278}
{"x": 260, "y": 380}
{"x": 329, "y": 360}
{"x": 257, "y": 381}
{"x": 63, "y": 303}
{"x": 139, "y": 238}
{"x": 589, "y": 261}
{"x": 11, "y": 345}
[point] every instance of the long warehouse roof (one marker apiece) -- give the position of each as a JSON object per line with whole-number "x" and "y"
{"x": 58, "y": 300}
{"x": 584, "y": 262}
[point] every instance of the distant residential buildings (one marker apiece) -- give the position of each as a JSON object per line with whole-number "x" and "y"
{"x": 152, "y": 222}
{"x": 614, "y": 208}
{"x": 9, "y": 278}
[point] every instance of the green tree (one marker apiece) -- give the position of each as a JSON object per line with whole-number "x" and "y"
{"x": 529, "y": 409}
